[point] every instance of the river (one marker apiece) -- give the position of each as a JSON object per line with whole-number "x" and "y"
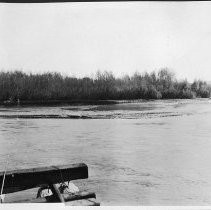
{"x": 144, "y": 153}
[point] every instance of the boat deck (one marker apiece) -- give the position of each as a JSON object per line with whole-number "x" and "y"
{"x": 22, "y": 186}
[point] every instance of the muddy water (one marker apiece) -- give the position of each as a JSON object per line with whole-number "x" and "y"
{"x": 153, "y": 153}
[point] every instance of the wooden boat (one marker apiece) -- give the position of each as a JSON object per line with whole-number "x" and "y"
{"x": 50, "y": 178}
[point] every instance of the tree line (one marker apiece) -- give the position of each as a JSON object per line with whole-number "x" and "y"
{"x": 163, "y": 84}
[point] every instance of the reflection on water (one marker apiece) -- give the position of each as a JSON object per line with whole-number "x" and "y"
{"x": 140, "y": 161}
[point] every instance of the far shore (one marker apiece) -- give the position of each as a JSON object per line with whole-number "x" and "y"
{"x": 67, "y": 102}
{"x": 52, "y": 89}
{"x": 79, "y": 102}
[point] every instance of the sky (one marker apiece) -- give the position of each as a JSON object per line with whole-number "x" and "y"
{"x": 79, "y": 39}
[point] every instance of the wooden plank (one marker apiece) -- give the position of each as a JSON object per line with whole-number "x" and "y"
{"x": 78, "y": 196}
{"x": 84, "y": 202}
{"x": 67, "y": 198}
{"x": 29, "y": 178}
{"x": 35, "y": 200}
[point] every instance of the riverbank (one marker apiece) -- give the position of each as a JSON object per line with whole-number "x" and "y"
{"x": 80, "y": 102}
{"x": 57, "y": 102}
{"x": 132, "y": 109}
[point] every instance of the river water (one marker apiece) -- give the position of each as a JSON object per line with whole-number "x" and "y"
{"x": 145, "y": 153}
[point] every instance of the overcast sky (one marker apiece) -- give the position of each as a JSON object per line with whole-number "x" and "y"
{"x": 123, "y": 37}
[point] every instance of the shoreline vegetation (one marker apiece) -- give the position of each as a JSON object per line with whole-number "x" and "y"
{"x": 19, "y": 88}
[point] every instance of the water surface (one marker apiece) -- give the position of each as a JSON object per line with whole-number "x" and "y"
{"x": 152, "y": 153}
